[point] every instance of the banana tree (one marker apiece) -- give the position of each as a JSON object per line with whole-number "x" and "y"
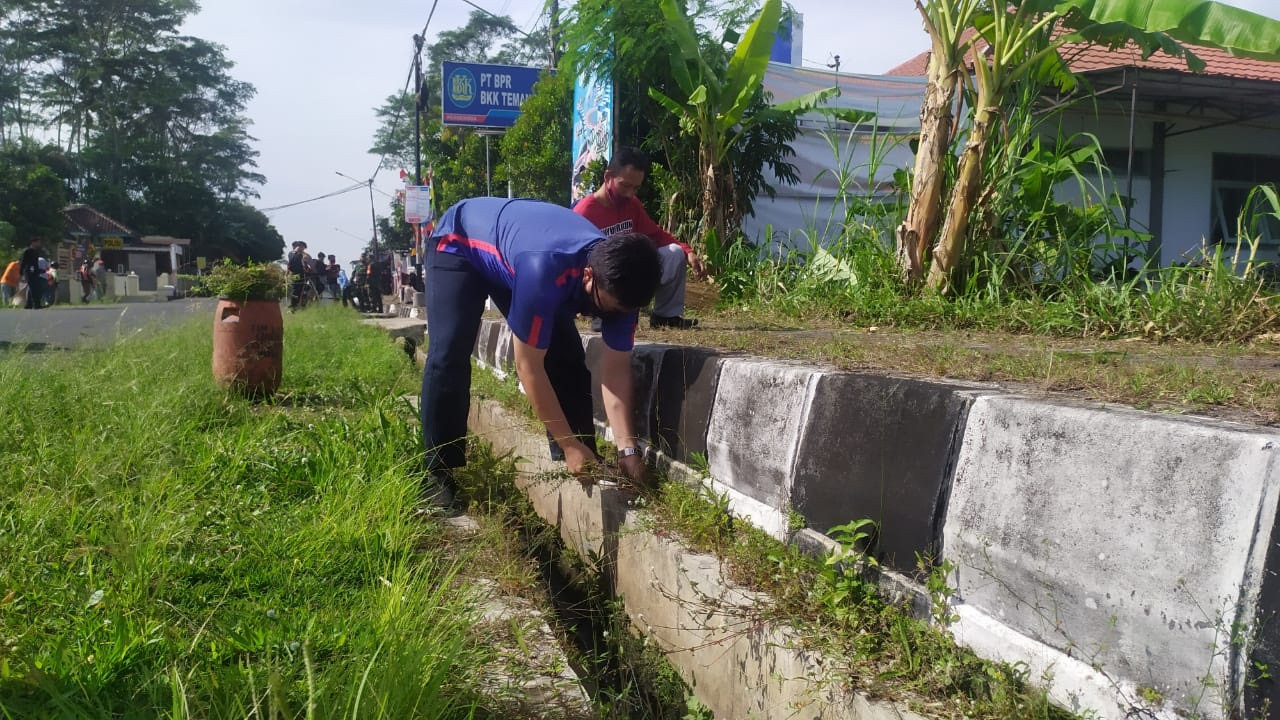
{"x": 946, "y": 23}
{"x": 1012, "y": 41}
{"x": 715, "y": 104}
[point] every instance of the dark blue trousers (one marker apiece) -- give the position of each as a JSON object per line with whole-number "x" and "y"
{"x": 36, "y": 287}
{"x": 456, "y": 292}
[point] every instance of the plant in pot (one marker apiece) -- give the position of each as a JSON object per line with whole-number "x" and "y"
{"x": 248, "y": 330}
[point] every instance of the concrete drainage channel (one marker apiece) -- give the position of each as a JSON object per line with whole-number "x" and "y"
{"x": 579, "y": 657}
{"x": 1128, "y": 561}
{"x": 679, "y": 599}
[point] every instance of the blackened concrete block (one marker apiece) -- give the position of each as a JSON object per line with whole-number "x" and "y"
{"x": 881, "y": 448}
{"x": 1262, "y": 682}
{"x": 504, "y": 349}
{"x": 684, "y": 393}
{"x": 645, "y": 359}
{"x": 1134, "y": 541}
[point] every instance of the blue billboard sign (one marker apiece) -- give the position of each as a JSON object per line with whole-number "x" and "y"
{"x": 484, "y": 95}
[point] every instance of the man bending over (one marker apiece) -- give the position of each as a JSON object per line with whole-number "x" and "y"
{"x": 542, "y": 265}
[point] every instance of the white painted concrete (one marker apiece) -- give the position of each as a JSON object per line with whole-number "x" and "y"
{"x": 756, "y": 422}
{"x": 1131, "y": 541}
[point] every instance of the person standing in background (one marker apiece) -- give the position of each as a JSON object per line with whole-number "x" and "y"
{"x": 100, "y": 278}
{"x": 9, "y": 282}
{"x": 30, "y": 263}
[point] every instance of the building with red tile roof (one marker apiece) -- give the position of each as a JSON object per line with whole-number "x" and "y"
{"x": 1185, "y": 147}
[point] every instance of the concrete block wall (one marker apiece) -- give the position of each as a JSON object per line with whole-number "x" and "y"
{"x": 1122, "y": 556}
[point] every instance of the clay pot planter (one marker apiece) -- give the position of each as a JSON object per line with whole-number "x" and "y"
{"x": 248, "y": 329}
{"x": 248, "y": 346}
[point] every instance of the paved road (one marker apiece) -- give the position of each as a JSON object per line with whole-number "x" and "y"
{"x": 78, "y": 326}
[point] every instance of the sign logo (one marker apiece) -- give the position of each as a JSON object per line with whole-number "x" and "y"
{"x": 462, "y": 87}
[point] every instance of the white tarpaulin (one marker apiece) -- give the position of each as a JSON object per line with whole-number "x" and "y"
{"x": 832, "y": 157}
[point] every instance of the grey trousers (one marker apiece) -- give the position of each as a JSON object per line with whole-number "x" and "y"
{"x": 669, "y": 300}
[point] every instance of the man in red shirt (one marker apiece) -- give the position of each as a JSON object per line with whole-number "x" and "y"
{"x": 615, "y": 209}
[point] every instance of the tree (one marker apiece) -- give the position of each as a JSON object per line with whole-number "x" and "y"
{"x": 32, "y": 195}
{"x": 241, "y": 232}
{"x": 393, "y": 140}
{"x": 716, "y": 105}
{"x": 150, "y": 122}
{"x": 536, "y": 149}
{"x": 1015, "y": 43}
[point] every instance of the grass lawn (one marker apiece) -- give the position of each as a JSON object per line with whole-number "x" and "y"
{"x": 169, "y": 550}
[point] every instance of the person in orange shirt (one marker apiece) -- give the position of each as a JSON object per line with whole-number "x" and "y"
{"x": 9, "y": 283}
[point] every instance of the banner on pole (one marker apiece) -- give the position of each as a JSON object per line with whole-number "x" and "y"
{"x": 592, "y": 129}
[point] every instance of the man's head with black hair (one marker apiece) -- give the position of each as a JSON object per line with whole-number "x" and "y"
{"x": 623, "y": 177}
{"x": 624, "y": 272}
{"x": 627, "y": 156}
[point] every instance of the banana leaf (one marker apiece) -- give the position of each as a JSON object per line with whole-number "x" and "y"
{"x": 1197, "y": 22}
{"x": 748, "y": 64}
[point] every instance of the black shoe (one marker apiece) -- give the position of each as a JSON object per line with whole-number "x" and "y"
{"x": 677, "y": 322}
{"x": 438, "y": 496}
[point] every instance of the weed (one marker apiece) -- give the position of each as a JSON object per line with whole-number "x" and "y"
{"x": 940, "y": 590}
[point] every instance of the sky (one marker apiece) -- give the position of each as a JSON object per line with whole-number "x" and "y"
{"x": 321, "y": 67}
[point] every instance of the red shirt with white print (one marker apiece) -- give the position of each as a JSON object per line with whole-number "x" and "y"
{"x": 626, "y": 216}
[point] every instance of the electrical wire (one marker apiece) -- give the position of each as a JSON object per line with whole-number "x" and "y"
{"x": 395, "y": 121}
{"x": 314, "y": 199}
{"x": 425, "y": 25}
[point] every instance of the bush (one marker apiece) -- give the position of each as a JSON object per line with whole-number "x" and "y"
{"x": 536, "y": 149}
{"x": 265, "y": 281}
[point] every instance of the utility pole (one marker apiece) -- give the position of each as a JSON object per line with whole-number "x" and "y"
{"x": 417, "y": 109}
{"x": 373, "y": 221}
{"x": 553, "y": 32}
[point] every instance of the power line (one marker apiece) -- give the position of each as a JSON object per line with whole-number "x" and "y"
{"x": 498, "y": 17}
{"x": 429, "y": 16}
{"x": 310, "y": 200}
{"x": 395, "y": 121}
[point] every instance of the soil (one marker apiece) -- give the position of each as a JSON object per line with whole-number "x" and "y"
{"x": 1229, "y": 382}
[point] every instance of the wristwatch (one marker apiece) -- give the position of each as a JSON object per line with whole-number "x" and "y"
{"x": 628, "y": 451}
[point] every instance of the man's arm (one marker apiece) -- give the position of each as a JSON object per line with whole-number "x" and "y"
{"x": 646, "y": 226}
{"x": 532, "y": 371}
{"x": 643, "y": 224}
{"x": 616, "y": 390}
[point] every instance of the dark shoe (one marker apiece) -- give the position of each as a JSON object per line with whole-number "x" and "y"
{"x": 677, "y": 322}
{"x": 437, "y": 496}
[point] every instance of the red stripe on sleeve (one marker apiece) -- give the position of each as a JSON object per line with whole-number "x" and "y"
{"x": 534, "y": 329}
